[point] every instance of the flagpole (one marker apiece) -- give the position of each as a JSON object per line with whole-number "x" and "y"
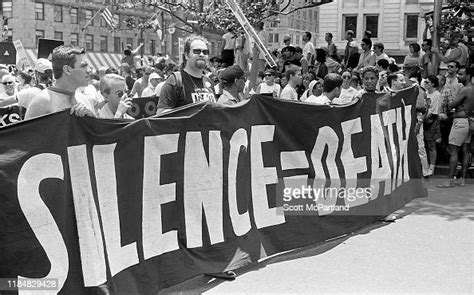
{"x": 92, "y": 18}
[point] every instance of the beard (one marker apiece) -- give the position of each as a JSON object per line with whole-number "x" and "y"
{"x": 200, "y": 64}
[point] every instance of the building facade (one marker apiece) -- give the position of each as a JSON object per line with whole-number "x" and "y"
{"x": 395, "y": 23}
{"x": 293, "y": 25}
{"x": 78, "y": 23}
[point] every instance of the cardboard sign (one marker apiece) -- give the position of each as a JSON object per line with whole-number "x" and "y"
{"x": 46, "y": 47}
{"x": 7, "y": 53}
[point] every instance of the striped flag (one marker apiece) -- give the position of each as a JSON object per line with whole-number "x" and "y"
{"x": 108, "y": 17}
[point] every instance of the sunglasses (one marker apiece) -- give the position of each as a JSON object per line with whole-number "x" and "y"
{"x": 199, "y": 51}
{"x": 451, "y": 67}
{"x": 8, "y": 83}
{"x": 346, "y": 77}
{"x": 268, "y": 75}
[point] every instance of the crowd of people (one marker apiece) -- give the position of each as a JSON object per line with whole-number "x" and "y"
{"x": 308, "y": 74}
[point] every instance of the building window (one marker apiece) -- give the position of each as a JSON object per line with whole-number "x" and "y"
{"x": 90, "y": 42}
{"x": 73, "y": 14}
{"x": 411, "y": 26}
{"x": 152, "y": 47}
{"x": 58, "y": 35}
{"x": 117, "y": 20}
{"x": 9, "y": 36}
{"x": 7, "y": 9}
{"x": 372, "y": 24}
{"x": 411, "y": 2}
{"x": 88, "y": 15}
{"x": 103, "y": 43}
{"x": 350, "y": 23}
{"x": 297, "y": 40}
{"x": 117, "y": 47}
{"x": 270, "y": 38}
{"x": 39, "y": 10}
{"x": 74, "y": 39}
{"x": 39, "y": 35}
{"x": 130, "y": 41}
{"x": 275, "y": 38}
{"x": 58, "y": 13}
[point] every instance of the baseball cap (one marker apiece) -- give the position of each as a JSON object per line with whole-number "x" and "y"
{"x": 42, "y": 64}
{"x": 231, "y": 73}
{"x": 154, "y": 76}
{"x": 270, "y": 72}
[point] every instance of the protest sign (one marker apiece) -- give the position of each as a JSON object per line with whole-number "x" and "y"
{"x": 143, "y": 205}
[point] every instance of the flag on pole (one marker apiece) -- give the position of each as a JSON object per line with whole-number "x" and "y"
{"x": 108, "y": 17}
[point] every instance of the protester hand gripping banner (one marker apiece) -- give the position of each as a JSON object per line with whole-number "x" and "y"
{"x": 123, "y": 204}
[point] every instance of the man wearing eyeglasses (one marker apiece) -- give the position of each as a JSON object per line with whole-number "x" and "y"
{"x": 71, "y": 72}
{"x": 114, "y": 90}
{"x": 7, "y": 97}
{"x": 189, "y": 85}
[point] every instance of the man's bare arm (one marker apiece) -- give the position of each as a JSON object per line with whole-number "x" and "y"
{"x": 39, "y": 106}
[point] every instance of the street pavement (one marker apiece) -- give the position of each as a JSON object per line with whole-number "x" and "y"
{"x": 429, "y": 248}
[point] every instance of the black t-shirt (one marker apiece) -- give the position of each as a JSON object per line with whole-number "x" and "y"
{"x": 130, "y": 81}
{"x": 193, "y": 90}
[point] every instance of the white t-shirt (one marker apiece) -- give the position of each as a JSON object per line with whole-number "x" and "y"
{"x": 289, "y": 93}
{"x": 229, "y": 41}
{"x": 25, "y": 96}
{"x": 347, "y": 95}
{"x": 320, "y": 100}
{"x": 106, "y": 113}
{"x": 308, "y": 47}
{"x": 435, "y": 103}
{"x": 275, "y": 89}
{"x": 149, "y": 91}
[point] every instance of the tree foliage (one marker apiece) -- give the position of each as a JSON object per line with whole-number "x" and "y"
{"x": 193, "y": 16}
{"x": 457, "y": 19}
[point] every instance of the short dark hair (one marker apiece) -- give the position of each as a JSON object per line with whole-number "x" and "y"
{"x": 289, "y": 73}
{"x": 433, "y": 79}
{"x": 64, "y": 56}
{"x": 393, "y": 67}
{"x": 379, "y": 45}
{"x": 331, "y": 81}
{"x": 367, "y": 42}
{"x": 308, "y": 34}
{"x": 390, "y": 78}
{"x": 415, "y": 46}
{"x": 429, "y": 42}
{"x": 330, "y": 35}
{"x": 383, "y": 63}
{"x": 25, "y": 76}
{"x": 369, "y": 69}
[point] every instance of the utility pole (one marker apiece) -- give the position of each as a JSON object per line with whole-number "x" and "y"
{"x": 438, "y": 4}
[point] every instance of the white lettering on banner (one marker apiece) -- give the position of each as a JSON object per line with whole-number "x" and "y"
{"x": 327, "y": 137}
{"x": 380, "y": 164}
{"x": 32, "y": 173}
{"x": 389, "y": 119}
{"x": 262, "y": 176}
{"x": 203, "y": 188}
{"x": 91, "y": 242}
{"x": 240, "y": 222}
{"x": 119, "y": 257}
{"x": 352, "y": 166}
{"x": 9, "y": 118}
{"x": 155, "y": 242}
{"x": 402, "y": 173}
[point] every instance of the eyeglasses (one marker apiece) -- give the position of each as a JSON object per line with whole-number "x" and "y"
{"x": 8, "y": 83}
{"x": 346, "y": 77}
{"x": 199, "y": 51}
{"x": 451, "y": 67}
{"x": 268, "y": 75}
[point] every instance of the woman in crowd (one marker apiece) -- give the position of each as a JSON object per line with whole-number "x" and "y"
{"x": 307, "y": 79}
{"x": 347, "y": 91}
{"x": 431, "y": 127}
{"x": 25, "y": 80}
{"x": 414, "y": 55}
